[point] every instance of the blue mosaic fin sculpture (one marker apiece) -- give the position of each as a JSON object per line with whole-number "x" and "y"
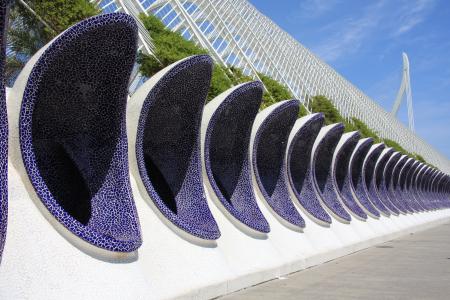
{"x": 341, "y": 175}
{"x": 72, "y": 131}
{"x": 438, "y": 190}
{"x": 441, "y": 192}
{"x": 166, "y": 139}
{"x": 409, "y": 187}
{"x": 4, "y": 9}
{"x": 226, "y": 128}
{"x": 392, "y": 189}
{"x": 299, "y": 170}
{"x": 379, "y": 181}
{"x": 424, "y": 187}
{"x": 387, "y": 179}
{"x": 437, "y": 184}
{"x": 356, "y": 177}
{"x": 435, "y": 204}
{"x": 322, "y": 155}
{"x": 368, "y": 183}
{"x": 401, "y": 181}
{"x": 416, "y": 186}
{"x": 436, "y": 178}
{"x": 444, "y": 191}
{"x": 427, "y": 187}
{"x": 268, "y": 151}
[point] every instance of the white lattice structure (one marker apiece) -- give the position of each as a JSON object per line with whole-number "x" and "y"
{"x": 237, "y": 34}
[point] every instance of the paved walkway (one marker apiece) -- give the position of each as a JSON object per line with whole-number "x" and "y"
{"x": 416, "y": 266}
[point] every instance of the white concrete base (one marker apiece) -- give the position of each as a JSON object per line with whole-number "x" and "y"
{"x": 39, "y": 263}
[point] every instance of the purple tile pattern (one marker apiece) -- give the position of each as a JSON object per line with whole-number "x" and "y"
{"x": 299, "y": 167}
{"x": 269, "y": 150}
{"x": 168, "y": 146}
{"x": 368, "y": 184}
{"x": 379, "y": 181}
{"x": 4, "y": 9}
{"x": 72, "y": 131}
{"x": 322, "y": 172}
{"x": 356, "y": 176}
{"x": 227, "y": 158}
{"x": 342, "y": 175}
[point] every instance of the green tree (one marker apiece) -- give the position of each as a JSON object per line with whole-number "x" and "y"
{"x": 419, "y": 157}
{"x": 322, "y": 104}
{"x": 396, "y": 146}
{"x": 238, "y": 76}
{"x": 170, "y": 47}
{"x": 302, "y": 111}
{"x": 220, "y": 82}
{"x": 364, "y": 130}
{"x": 33, "y": 27}
{"x": 276, "y": 92}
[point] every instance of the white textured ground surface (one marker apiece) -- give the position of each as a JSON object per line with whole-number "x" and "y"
{"x": 416, "y": 266}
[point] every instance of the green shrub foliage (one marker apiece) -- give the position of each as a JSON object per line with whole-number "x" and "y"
{"x": 171, "y": 47}
{"x": 364, "y": 130}
{"x": 322, "y": 104}
{"x": 276, "y": 92}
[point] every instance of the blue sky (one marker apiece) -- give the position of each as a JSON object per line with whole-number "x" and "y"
{"x": 364, "y": 41}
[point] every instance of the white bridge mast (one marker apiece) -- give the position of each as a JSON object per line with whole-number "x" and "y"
{"x": 405, "y": 88}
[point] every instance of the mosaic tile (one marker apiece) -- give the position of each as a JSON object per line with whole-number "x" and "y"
{"x": 269, "y": 160}
{"x": 368, "y": 182}
{"x": 323, "y": 151}
{"x": 4, "y": 9}
{"x": 227, "y": 159}
{"x": 299, "y": 149}
{"x": 168, "y": 146}
{"x": 356, "y": 176}
{"x": 386, "y": 188}
{"x": 72, "y": 131}
{"x": 341, "y": 174}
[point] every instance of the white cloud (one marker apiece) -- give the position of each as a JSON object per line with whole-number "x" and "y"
{"x": 384, "y": 20}
{"x": 411, "y": 14}
{"x": 349, "y": 34}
